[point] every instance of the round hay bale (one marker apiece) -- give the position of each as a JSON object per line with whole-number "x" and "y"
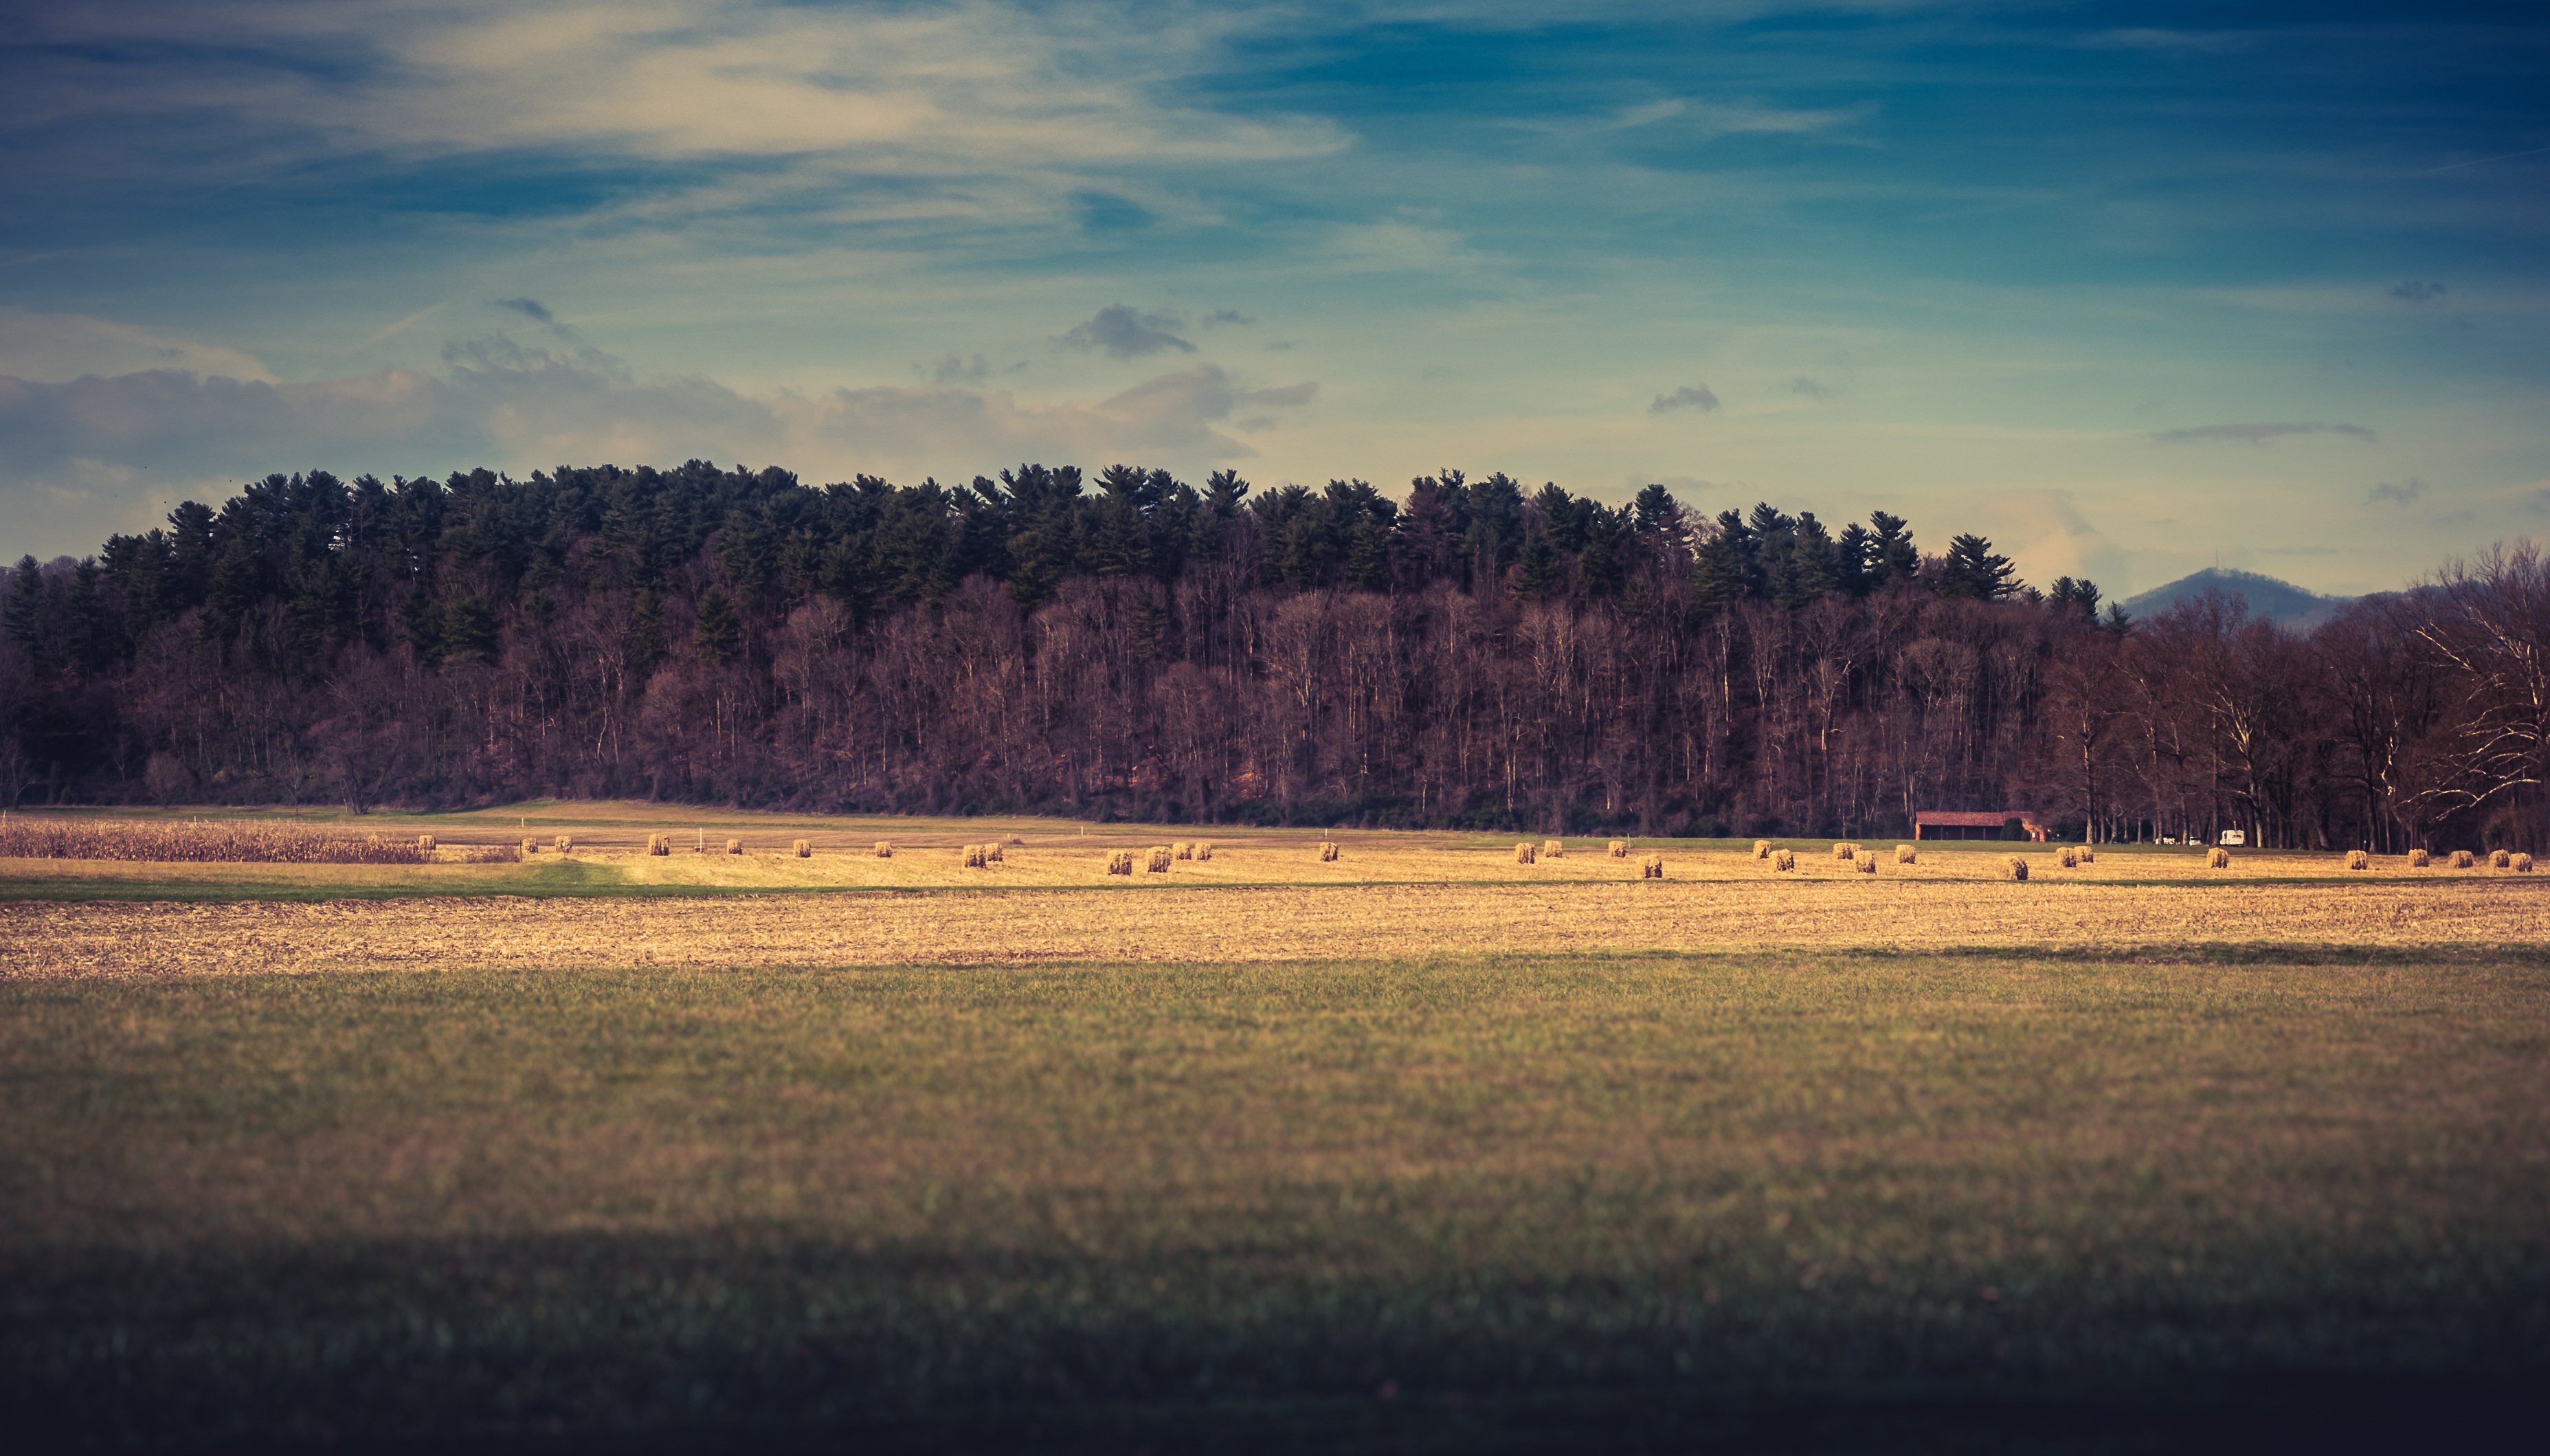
{"x": 2418, "y": 859}
{"x": 1119, "y": 862}
{"x": 564, "y": 843}
{"x": 1328, "y": 850}
{"x": 2357, "y": 859}
{"x": 2017, "y": 867}
{"x": 1784, "y": 859}
{"x": 2217, "y": 859}
{"x": 1553, "y": 849}
{"x": 1525, "y": 854}
{"x": 1653, "y": 867}
{"x": 425, "y": 843}
{"x": 1619, "y": 849}
{"x": 1204, "y": 850}
{"x": 2070, "y": 858}
{"x": 2462, "y": 859}
{"x": 884, "y": 850}
{"x": 2523, "y": 864}
{"x": 659, "y": 844}
{"x": 734, "y": 846}
{"x": 1906, "y": 854}
{"x": 805, "y": 849}
{"x": 1845, "y": 852}
{"x": 531, "y": 846}
{"x": 1761, "y": 850}
{"x": 2499, "y": 860}
{"x": 1159, "y": 860}
{"x": 1865, "y": 861}
{"x": 2088, "y": 854}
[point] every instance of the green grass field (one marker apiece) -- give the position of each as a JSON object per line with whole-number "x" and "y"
{"x": 1836, "y": 1201}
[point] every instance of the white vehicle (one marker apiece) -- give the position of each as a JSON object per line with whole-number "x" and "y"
{"x": 2235, "y": 838}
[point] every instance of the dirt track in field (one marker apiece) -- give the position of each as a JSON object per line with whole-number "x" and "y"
{"x": 40, "y": 939}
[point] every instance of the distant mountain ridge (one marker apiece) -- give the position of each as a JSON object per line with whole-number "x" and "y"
{"x": 2279, "y": 602}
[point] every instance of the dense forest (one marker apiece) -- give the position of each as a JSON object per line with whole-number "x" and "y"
{"x": 1133, "y": 647}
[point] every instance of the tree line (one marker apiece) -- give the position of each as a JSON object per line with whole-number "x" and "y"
{"x": 1131, "y": 645}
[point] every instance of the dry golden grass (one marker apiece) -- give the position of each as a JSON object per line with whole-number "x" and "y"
{"x": 171, "y": 842}
{"x": 51, "y": 938}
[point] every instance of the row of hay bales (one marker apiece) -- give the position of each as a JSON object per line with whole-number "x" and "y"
{"x": 1159, "y": 859}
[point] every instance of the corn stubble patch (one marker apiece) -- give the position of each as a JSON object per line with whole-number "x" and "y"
{"x": 201, "y": 843}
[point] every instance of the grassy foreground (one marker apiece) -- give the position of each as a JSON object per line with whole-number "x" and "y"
{"x": 1471, "y": 1200}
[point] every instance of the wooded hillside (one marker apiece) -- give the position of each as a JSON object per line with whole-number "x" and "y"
{"x": 1475, "y": 655}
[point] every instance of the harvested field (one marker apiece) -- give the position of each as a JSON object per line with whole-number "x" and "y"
{"x": 52, "y": 938}
{"x": 1412, "y": 1145}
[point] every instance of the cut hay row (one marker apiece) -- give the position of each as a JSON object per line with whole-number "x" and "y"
{"x": 203, "y": 843}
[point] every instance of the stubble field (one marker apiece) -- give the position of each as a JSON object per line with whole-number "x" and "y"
{"x": 1418, "y": 1148}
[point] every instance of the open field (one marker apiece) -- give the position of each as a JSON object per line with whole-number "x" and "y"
{"x": 1364, "y": 1197}
{"x": 609, "y": 859}
{"x": 1416, "y": 1148}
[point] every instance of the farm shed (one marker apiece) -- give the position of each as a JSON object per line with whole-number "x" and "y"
{"x": 1975, "y": 823}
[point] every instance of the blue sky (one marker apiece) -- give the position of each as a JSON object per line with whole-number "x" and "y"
{"x": 2129, "y": 289}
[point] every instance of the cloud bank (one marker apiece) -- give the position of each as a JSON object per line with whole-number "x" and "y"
{"x": 90, "y": 455}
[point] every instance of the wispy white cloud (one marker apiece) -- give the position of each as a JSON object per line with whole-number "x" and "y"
{"x": 57, "y": 347}
{"x": 2256, "y": 434}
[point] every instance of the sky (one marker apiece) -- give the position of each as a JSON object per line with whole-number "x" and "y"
{"x": 2131, "y": 290}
